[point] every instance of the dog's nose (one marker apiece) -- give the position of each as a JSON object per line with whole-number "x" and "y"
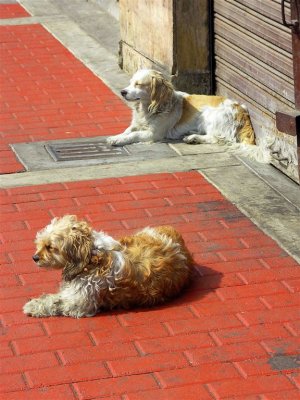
{"x": 35, "y": 258}
{"x": 123, "y": 92}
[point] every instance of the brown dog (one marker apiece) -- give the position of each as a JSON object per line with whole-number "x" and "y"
{"x": 99, "y": 272}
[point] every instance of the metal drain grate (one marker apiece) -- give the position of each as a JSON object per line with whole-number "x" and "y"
{"x": 83, "y": 151}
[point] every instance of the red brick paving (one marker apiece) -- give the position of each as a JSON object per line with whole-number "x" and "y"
{"x": 213, "y": 342}
{"x": 12, "y": 11}
{"x": 47, "y": 94}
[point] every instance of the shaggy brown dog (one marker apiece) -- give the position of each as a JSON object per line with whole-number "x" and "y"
{"x": 99, "y": 272}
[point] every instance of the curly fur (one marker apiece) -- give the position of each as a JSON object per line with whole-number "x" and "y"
{"x": 101, "y": 273}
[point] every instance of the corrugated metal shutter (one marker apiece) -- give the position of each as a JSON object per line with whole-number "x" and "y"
{"x": 254, "y": 59}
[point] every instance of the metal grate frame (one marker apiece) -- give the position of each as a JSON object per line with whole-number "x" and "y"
{"x": 83, "y": 151}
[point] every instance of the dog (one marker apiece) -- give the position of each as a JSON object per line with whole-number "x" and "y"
{"x": 161, "y": 113}
{"x": 100, "y": 273}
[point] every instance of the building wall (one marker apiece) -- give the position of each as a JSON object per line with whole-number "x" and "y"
{"x": 169, "y": 35}
{"x": 255, "y": 58}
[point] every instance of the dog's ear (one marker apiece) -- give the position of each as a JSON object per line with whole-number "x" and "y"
{"x": 77, "y": 248}
{"x": 161, "y": 94}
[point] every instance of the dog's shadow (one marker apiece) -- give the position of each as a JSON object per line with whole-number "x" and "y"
{"x": 205, "y": 281}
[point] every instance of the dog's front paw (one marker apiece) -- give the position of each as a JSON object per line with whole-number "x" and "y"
{"x": 44, "y": 306}
{"x": 115, "y": 140}
{"x": 192, "y": 139}
{"x": 33, "y": 308}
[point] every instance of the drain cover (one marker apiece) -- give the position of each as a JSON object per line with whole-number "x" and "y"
{"x": 83, "y": 151}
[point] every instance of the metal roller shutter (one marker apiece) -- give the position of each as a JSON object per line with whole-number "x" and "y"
{"x": 254, "y": 64}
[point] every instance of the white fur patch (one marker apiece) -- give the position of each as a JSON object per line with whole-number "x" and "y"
{"x": 166, "y": 240}
{"x": 104, "y": 241}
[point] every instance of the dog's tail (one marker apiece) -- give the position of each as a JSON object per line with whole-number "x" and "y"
{"x": 247, "y": 144}
{"x": 261, "y": 153}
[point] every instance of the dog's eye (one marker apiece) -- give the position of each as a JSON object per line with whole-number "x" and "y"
{"x": 49, "y": 247}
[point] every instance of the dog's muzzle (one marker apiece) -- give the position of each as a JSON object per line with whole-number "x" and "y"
{"x": 124, "y": 93}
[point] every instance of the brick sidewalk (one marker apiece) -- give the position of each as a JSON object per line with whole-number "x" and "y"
{"x": 232, "y": 335}
{"x": 47, "y": 94}
{"x": 12, "y": 11}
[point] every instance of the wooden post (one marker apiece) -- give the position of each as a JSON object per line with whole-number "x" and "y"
{"x": 168, "y": 35}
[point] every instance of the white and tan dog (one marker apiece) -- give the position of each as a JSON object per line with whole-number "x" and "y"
{"x": 100, "y": 273}
{"x": 161, "y": 113}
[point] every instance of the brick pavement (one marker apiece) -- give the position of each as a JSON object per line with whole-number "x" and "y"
{"x": 47, "y": 94}
{"x": 12, "y": 11}
{"x": 218, "y": 340}
{"x": 232, "y": 335}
